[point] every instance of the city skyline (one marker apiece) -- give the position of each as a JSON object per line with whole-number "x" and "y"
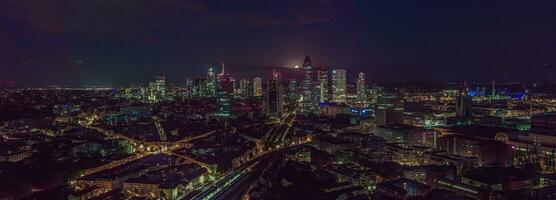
{"x": 272, "y": 100}
{"x": 287, "y": 72}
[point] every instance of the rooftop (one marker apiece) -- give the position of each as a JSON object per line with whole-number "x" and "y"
{"x": 170, "y": 177}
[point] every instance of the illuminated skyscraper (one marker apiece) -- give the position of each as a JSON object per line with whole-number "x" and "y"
{"x": 188, "y": 88}
{"x": 156, "y": 90}
{"x": 244, "y": 89}
{"x": 235, "y": 88}
{"x": 316, "y": 96}
{"x": 211, "y": 83}
{"x": 322, "y": 78}
{"x": 339, "y": 85}
{"x": 292, "y": 91}
{"x": 257, "y": 87}
{"x": 225, "y": 81}
{"x": 160, "y": 85}
{"x": 274, "y": 101}
{"x": 464, "y": 102}
{"x": 361, "y": 88}
{"x": 199, "y": 88}
{"x": 307, "y": 101}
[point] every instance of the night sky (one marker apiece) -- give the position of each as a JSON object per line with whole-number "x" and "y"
{"x": 116, "y": 42}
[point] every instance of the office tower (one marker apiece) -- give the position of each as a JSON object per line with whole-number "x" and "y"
{"x": 211, "y": 83}
{"x": 292, "y": 91}
{"x": 463, "y": 102}
{"x": 339, "y": 85}
{"x": 316, "y": 97}
{"x": 188, "y": 88}
{"x": 235, "y": 89}
{"x": 225, "y": 81}
{"x": 306, "y": 103}
{"x": 160, "y": 87}
{"x": 322, "y": 78}
{"x": 274, "y": 102}
{"x": 199, "y": 88}
{"x": 250, "y": 89}
{"x": 150, "y": 92}
{"x": 257, "y": 87}
{"x": 243, "y": 89}
{"x": 361, "y": 96}
{"x": 156, "y": 91}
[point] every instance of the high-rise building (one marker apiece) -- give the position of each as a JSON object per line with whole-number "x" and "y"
{"x": 188, "y": 88}
{"x": 361, "y": 88}
{"x": 339, "y": 85}
{"x": 274, "y": 101}
{"x": 244, "y": 89}
{"x": 211, "y": 83}
{"x": 316, "y": 96}
{"x": 160, "y": 84}
{"x": 257, "y": 87}
{"x": 235, "y": 89}
{"x": 199, "y": 88}
{"x": 225, "y": 81}
{"x": 464, "y": 102}
{"x": 307, "y": 100}
{"x": 322, "y": 78}
{"x": 250, "y": 89}
{"x": 292, "y": 91}
{"x": 156, "y": 91}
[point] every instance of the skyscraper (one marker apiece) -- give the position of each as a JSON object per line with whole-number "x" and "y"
{"x": 235, "y": 88}
{"x": 292, "y": 91}
{"x": 316, "y": 96}
{"x": 361, "y": 88}
{"x": 307, "y": 102}
{"x": 156, "y": 90}
{"x": 274, "y": 101}
{"x": 463, "y": 102}
{"x": 244, "y": 89}
{"x": 339, "y": 85}
{"x": 199, "y": 88}
{"x": 188, "y": 88}
{"x": 257, "y": 87}
{"x": 160, "y": 85}
{"x": 225, "y": 81}
{"x": 322, "y": 78}
{"x": 211, "y": 83}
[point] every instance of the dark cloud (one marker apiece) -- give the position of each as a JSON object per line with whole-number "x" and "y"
{"x": 42, "y": 39}
{"x": 117, "y": 16}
